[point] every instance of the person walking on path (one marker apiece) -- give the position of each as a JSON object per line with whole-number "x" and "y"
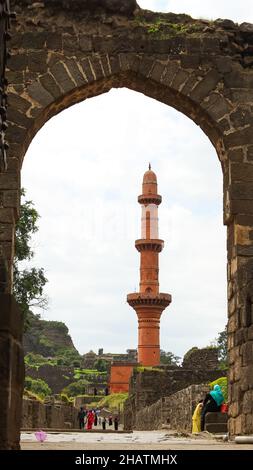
{"x": 116, "y": 423}
{"x": 104, "y": 423}
{"x": 81, "y": 417}
{"x": 90, "y": 420}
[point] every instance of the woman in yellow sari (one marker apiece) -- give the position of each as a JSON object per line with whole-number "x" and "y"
{"x": 196, "y": 418}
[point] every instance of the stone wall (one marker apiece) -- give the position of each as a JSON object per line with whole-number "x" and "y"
{"x": 149, "y": 386}
{"x": 36, "y": 415}
{"x": 11, "y": 372}
{"x": 85, "y": 400}
{"x": 174, "y": 411}
{"x": 205, "y": 358}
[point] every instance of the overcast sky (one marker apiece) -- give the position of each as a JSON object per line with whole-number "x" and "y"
{"x": 84, "y": 171}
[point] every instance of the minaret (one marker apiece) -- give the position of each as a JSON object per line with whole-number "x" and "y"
{"x": 148, "y": 302}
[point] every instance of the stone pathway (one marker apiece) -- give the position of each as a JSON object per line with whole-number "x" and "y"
{"x": 138, "y": 440}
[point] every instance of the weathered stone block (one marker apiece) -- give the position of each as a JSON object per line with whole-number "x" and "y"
{"x": 180, "y": 79}
{"x": 242, "y": 172}
{"x": 9, "y": 181}
{"x": 37, "y": 61}
{"x": 18, "y": 62}
{"x": 250, "y": 153}
{"x": 193, "y": 45}
{"x": 85, "y": 64}
{"x": 241, "y": 117}
{"x": 240, "y": 206}
{"x": 18, "y": 102}
{"x": 62, "y": 77}
{"x": 206, "y": 85}
{"x": 16, "y": 133}
{"x": 190, "y": 61}
{"x": 114, "y": 64}
{"x": 54, "y": 41}
{"x": 243, "y": 250}
{"x": 16, "y": 117}
{"x": 49, "y": 84}
{"x": 38, "y": 93}
{"x": 6, "y": 216}
{"x": 33, "y": 40}
{"x": 96, "y": 68}
{"x": 242, "y": 190}
{"x": 74, "y": 72}
{"x": 247, "y": 353}
{"x": 169, "y": 73}
{"x": 85, "y": 43}
{"x": 236, "y": 155}
{"x": 219, "y": 109}
{"x": 237, "y": 79}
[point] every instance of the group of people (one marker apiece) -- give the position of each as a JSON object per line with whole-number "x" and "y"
{"x": 88, "y": 418}
{"x": 212, "y": 402}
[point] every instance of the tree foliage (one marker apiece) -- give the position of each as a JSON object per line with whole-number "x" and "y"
{"x": 28, "y": 282}
{"x": 76, "y": 388}
{"x": 101, "y": 365}
{"x": 37, "y": 386}
{"x": 222, "y": 345}
{"x": 168, "y": 358}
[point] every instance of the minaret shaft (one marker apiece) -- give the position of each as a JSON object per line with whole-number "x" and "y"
{"x": 148, "y": 302}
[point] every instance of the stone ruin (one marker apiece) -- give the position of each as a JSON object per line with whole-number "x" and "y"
{"x": 63, "y": 52}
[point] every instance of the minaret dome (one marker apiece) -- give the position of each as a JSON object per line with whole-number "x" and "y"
{"x": 149, "y": 184}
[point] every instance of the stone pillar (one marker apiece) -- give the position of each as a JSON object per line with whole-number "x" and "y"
{"x": 148, "y": 302}
{"x": 11, "y": 372}
{"x": 240, "y": 324}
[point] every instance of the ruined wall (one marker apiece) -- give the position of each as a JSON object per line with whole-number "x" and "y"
{"x": 147, "y": 387}
{"x": 36, "y": 415}
{"x": 174, "y": 411}
{"x": 11, "y": 372}
{"x": 205, "y": 358}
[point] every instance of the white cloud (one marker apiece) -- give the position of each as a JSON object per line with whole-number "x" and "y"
{"x": 83, "y": 171}
{"x": 209, "y": 9}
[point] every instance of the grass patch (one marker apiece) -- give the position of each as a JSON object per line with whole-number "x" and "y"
{"x": 113, "y": 402}
{"x": 144, "y": 368}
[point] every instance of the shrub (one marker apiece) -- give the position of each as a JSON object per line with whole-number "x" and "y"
{"x": 75, "y": 388}
{"x": 37, "y": 386}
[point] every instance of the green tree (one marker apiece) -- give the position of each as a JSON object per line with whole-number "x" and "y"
{"x": 168, "y": 358}
{"x": 28, "y": 282}
{"x": 37, "y": 386}
{"x": 222, "y": 345}
{"x": 76, "y": 388}
{"x": 101, "y": 365}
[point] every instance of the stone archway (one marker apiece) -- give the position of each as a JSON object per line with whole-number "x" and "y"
{"x": 65, "y": 52}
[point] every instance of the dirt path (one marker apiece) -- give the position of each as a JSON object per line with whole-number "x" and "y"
{"x": 138, "y": 440}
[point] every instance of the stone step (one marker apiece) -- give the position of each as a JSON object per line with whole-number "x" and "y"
{"x": 216, "y": 417}
{"x": 216, "y": 428}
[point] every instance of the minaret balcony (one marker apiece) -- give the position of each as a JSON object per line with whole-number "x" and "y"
{"x": 137, "y": 299}
{"x": 146, "y": 244}
{"x": 150, "y": 199}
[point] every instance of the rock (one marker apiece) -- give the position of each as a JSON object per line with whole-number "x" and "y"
{"x": 226, "y": 24}
{"x": 246, "y": 28}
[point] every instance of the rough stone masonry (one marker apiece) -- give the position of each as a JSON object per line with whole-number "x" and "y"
{"x": 66, "y": 51}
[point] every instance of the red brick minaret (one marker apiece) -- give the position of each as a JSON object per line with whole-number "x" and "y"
{"x": 148, "y": 302}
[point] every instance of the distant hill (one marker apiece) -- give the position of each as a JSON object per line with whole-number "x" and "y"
{"x": 48, "y": 338}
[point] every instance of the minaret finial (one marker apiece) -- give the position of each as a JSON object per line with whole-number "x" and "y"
{"x": 149, "y": 166}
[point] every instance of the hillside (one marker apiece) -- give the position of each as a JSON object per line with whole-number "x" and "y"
{"x": 47, "y": 338}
